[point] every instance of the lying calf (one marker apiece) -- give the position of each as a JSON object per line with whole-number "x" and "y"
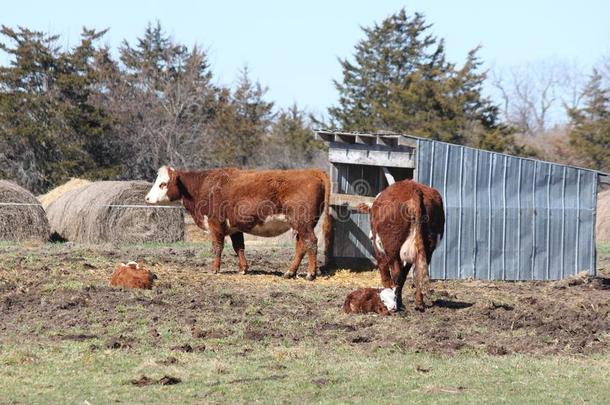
{"x": 364, "y": 300}
{"x": 132, "y": 275}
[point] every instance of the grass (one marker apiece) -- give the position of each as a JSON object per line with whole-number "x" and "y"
{"x": 70, "y": 372}
{"x": 603, "y": 248}
{"x": 38, "y": 364}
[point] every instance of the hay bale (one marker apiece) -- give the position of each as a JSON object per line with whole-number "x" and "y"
{"x": 86, "y": 214}
{"x": 49, "y": 197}
{"x": 602, "y": 222}
{"x": 21, "y": 222}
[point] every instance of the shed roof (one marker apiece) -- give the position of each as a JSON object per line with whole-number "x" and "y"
{"x": 392, "y": 139}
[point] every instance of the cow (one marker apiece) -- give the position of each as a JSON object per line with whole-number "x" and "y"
{"x": 132, "y": 275}
{"x": 407, "y": 223}
{"x": 266, "y": 203}
{"x": 375, "y": 300}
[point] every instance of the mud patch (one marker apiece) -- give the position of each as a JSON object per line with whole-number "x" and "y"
{"x": 191, "y": 305}
{"x": 144, "y": 381}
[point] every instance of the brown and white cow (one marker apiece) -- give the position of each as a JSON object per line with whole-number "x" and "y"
{"x": 263, "y": 203}
{"x": 367, "y": 300}
{"x": 132, "y": 275}
{"x": 407, "y": 223}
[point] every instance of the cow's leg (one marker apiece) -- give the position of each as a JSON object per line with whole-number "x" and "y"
{"x": 421, "y": 280}
{"x": 310, "y": 242}
{"x": 384, "y": 271}
{"x": 237, "y": 240}
{"x": 399, "y": 275}
{"x": 218, "y": 243}
{"x": 299, "y": 252}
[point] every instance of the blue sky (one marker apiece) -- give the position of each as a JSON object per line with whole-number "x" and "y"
{"x": 292, "y": 47}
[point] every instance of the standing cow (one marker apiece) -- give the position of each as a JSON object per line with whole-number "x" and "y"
{"x": 263, "y": 203}
{"x": 407, "y": 223}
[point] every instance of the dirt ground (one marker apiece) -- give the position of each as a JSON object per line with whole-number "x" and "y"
{"x": 61, "y": 292}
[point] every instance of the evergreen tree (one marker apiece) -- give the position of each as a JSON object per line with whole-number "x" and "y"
{"x": 291, "y": 136}
{"x": 590, "y": 125}
{"x": 49, "y": 130}
{"x": 243, "y": 123}
{"x": 400, "y": 81}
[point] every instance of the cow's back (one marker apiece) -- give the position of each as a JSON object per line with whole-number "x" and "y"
{"x": 392, "y": 215}
{"x": 282, "y": 188}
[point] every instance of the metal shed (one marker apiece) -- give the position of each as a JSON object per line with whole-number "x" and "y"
{"x": 507, "y": 218}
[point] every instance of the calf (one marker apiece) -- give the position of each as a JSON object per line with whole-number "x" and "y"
{"x": 365, "y": 300}
{"x": 132, "y": 275}
{"x": 263, "y": 203}
{"x": 407, "y": 223}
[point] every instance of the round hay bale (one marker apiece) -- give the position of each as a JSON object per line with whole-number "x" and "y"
{"x": 96, "y": 213}
{"x": 52, "y": 195}
{"x": 21, "y": 222}
{"x": 602, "y": 221}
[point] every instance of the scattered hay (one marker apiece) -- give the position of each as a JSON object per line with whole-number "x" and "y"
{"x": 21, "y": 222}
{"x": 52, "y": 195}
{"x": 96, "y": 213}
{"x": 193, "y": 233}
{"x": 602, "y": 223}
{"x": 352, "y": 278}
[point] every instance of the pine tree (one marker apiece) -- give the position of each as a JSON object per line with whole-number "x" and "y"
{"x": 291, "y": 135}
{"x": 400, "y": 81}
{"x": 590, "y": 125}
{"x": 49, "y": 129}
{"x": 243, "y": 123}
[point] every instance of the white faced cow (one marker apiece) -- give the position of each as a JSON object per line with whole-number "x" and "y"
{"x": 263, "y": 203}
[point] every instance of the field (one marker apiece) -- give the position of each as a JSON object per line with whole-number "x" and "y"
{"x": 66, "y": 336}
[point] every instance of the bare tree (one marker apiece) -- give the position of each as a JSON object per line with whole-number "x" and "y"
{"x": 534, "y": 96}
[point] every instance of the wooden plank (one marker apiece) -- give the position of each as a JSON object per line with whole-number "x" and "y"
{"x": 371, "y": 155}
{"x": 409, "y": 142}
{"x": 349, "y": 200}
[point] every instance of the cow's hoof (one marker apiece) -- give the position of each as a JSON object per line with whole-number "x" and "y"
{"x": 310, "y": 277}
{"x": 420, "y": 308}
{"x": 243, "y": 272}
{"x": 289, "y": 275}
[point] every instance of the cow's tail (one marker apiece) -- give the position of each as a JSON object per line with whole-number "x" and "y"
{"x": 327, "y": 225}
{"x": 421, "y": 276}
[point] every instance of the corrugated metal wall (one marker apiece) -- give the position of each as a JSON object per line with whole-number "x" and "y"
{"x": 509, "y": 218}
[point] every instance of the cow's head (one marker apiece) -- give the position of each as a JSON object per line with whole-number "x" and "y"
{"x": 388, "y": 297}
{"x": 165, "y": 188}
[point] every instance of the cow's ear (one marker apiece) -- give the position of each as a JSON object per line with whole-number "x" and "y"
{"x": 175, "y": 189}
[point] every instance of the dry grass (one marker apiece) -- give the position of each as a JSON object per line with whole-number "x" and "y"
{"x": 602, "y": 224}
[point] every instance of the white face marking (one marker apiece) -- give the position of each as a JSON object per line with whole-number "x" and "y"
{"x": 379, "y": 244}
{"x": 274, "y": 225}
{"x": 408, "y": 250}
{"x": 158, "y": 192}
{"x": 388, "y": 297}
